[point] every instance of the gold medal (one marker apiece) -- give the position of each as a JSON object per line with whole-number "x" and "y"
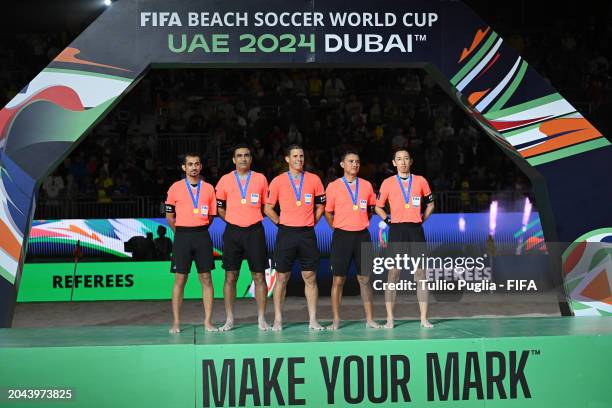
{"x": 355, "y": 207}
{"x": 298, "y": 203}
{"x": 196, "y": 211}
{"x": 243, "y": 201}
{"x": 406, "y": 205}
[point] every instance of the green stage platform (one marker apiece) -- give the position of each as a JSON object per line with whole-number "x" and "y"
{"x": 504, "y": 362}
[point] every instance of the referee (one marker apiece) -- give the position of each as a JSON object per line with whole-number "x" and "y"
{"x": 239, "y": 203}
{"x": 350, "y": 202}
{"x": 407, "y": 194}
{"x": 190, "y": 207}
{"x": 301, "y": 197}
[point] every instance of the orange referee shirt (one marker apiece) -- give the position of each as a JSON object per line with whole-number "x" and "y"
{"x": 390, "y": 191}
{"x": 236, "y": 212}
{"x": 179, "y": 197}
{"x": 292, "y": 214}
{"x": 340, "y": 202}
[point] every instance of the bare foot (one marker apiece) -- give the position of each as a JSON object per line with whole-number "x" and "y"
{"x": 390, "y": 324}
{"x": 278, "y": 325}
{"x": 263, "y": 325}
{"x": 175, "y": 329}
{"x": 334, "y": 326}
{"x": 372, "y": 325}
{"x": 426, "y": 324}
{"x": 209, "y": 327}
{"x": 315, "y": 326}
{"x": 229, "y": 325}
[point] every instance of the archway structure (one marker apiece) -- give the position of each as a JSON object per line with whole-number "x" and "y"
{"x": 565, "y": 157}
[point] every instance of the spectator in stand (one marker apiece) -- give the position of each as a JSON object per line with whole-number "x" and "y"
{"x": 315, "y": 85}
{"x": 104, "y": 187}
{"x": 334, "y": 90}
{"x": 53, "y": 187}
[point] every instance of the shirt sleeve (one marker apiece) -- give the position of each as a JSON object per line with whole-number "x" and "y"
{"x": 171, "y": 199}
{"x": 264, "y": 188}
{"x": 272, "y": 196}
{"x": 426, "y": 192}
{"x": 371, "y": 195}
{"x": 319, "y": 191}
{"x": 383, "y": 194}
{"x": 330, "y": 203}
{"x": 212, "y": 202}
{"x": 220, "y": 190}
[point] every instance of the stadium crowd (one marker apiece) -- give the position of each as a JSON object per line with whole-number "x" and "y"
{"x": 327, "y": 111}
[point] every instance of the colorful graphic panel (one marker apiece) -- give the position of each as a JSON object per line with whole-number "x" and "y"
{"x": 106, "y": 238}
{"x": 587, "y": 273}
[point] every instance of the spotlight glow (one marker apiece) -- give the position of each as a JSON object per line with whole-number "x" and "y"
{"x": 492, "y": 217}
{"x": 526, "y": 213}
{"x": 461, "y": 223}
{"x": 107, "y": 2}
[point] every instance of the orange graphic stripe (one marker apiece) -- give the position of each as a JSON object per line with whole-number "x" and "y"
{"x": 69, "y": 55}
{"x": 598, "y": 288}
{"x": 583, "y": 131}
{"x": 77, "y": 230}
{"x": 9, "y": 243}
{"x": 574, "y": 257}
{"x": 476, "y": 96}
{"x": 478, "y": 37}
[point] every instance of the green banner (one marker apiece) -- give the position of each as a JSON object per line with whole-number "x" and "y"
{"x": 462, "y": 372}
{"x": 509, "y": 362}
{"x": 106, "y": 370}
{"x": 62, "y": 282}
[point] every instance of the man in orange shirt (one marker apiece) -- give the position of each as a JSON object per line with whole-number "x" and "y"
{"x": 301, "y": 197}
{"x": 239, "y": 202}
{"x": 407, "y": 194}
{"x": 190, "y": 208}
{"x": 350, "y": 202}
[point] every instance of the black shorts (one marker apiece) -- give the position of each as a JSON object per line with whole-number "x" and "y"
{"x": 406, "y": 232}
{"x": 406, "y": 238}
{"x": 296, "y": 243}
{"x": 192, "y": 244}
{"x": 347, "y": 245}
{"x": 245, "y": 242}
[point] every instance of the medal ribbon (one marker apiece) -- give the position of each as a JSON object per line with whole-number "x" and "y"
{"x": 243, "y": 193}
{"x": 404, "y": 193}
{"x": 298, "y": 193}
{"x": 195, "y": 199}
{"x": 353, "y": 198}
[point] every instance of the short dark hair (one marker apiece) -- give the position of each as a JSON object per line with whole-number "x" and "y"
{"x": 292, "y": 147}
{"x": 401, "y": 149}
{"x": 240, "y": 146}
{"x": 191, "y": 154}
{"x": 347, "y": 152}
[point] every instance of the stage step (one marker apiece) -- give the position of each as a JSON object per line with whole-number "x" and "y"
{"x": 511, "y": 362}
